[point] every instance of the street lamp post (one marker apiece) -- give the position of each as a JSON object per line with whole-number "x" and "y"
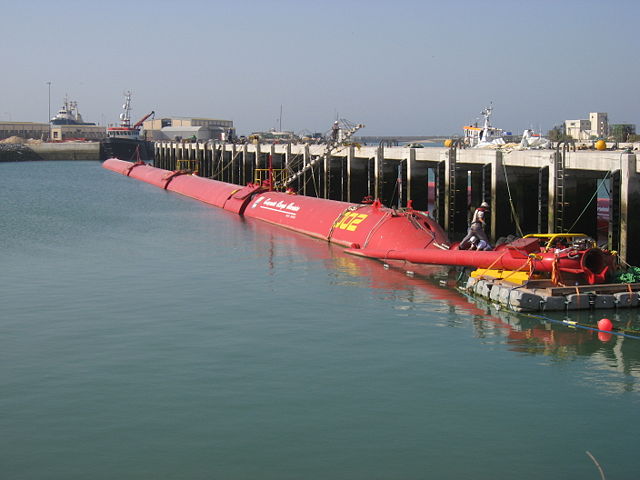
{"x": 49, "y": 117}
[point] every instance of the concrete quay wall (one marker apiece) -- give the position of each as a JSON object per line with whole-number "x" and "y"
{"x": 49, "y": 151}
{"x": 529, "y": 190}
{"x": 68, "y": 150}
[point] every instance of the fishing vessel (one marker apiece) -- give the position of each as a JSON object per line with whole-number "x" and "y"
{"x": 124, "y": 141}
{"x": 485, "y": 136}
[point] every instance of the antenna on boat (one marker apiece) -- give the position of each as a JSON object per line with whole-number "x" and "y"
{"x": 125, "y": 116}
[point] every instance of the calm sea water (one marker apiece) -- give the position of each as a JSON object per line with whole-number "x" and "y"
{"x": 146, "y": 335}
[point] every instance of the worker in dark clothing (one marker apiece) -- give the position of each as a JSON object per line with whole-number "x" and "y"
{"x": 476, "y": 229}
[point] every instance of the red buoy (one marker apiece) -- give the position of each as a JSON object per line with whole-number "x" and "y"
{"x": 605, "y": 324}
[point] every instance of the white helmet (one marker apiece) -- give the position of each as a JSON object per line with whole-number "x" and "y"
{"x": 484, "y": 205}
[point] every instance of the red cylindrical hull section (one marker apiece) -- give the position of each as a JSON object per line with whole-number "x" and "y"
{"x": 498, "y": 259}
{"x": 139, "y": 171}
{"x": 116, "y": 165}
{"x": 346, "y": 224}
{"x": 593, "y": 264}
{"x": 207, "y": 191}
{"x": 151, "y": 175}
{"x": 308, "y": 215}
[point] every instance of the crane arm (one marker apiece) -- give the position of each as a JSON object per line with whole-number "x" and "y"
{"x": 141, "y": 121}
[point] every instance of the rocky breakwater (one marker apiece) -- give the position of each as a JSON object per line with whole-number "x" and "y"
{"x": 13, "y": 151}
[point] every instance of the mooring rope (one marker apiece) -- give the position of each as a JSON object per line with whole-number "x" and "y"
{"x": 589, "y": 201}
{"x": 514, "y": 214}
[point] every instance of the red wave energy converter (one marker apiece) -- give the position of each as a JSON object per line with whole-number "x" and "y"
{"x": 371, "y": 230}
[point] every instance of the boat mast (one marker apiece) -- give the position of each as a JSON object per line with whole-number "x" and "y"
{"x": 486, "y": 113}
{"x": 125, "y": 116}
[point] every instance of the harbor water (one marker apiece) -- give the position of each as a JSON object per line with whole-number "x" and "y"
{"x": 146, "y": 335}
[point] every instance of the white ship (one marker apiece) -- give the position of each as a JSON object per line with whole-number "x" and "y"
{"x": 69, "y": 114}
{"x": 485, "y": 136}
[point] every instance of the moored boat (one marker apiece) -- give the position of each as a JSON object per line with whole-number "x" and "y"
{"x": 69, "y": 114}
{"x": 485, "y": 136}
{"x": 125, "y": 141}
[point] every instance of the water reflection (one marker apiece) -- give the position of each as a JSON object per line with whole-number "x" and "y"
{"x": 433, "y": 289}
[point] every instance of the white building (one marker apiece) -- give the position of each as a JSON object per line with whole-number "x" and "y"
{"x": 169, "y": 128}
{"x": 597, "y": 126}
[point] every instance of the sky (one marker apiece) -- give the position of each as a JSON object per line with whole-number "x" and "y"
{"x": 401, "y": 67}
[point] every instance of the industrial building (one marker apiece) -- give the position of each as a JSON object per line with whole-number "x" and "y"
{"x": 77, "y": 132}
{"x": 39, "y": 131}
{"x": 46, "y": 132}
{"x": 178, "y": 128}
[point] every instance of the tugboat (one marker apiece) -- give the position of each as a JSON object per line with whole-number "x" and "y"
{"x": 124, "y": 141}
{"x": 69, "y": 114}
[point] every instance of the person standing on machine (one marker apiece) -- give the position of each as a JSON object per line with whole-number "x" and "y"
{"x": 476, "y": 229}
